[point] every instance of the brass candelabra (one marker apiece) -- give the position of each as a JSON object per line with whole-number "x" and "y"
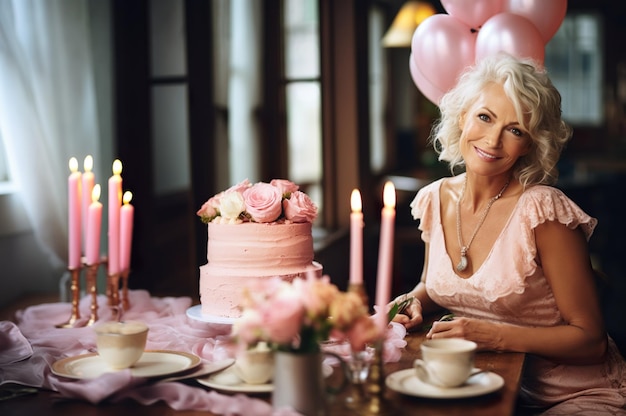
{"x": 92, "y": 290}
{"x": 75, "y": 287}
{"x": 91, "y": 278}
{"x": 113, "y": 289}
{"x": 125, "y": 301}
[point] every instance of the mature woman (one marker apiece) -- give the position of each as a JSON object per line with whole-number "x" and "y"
{"x": 505, "y": 252}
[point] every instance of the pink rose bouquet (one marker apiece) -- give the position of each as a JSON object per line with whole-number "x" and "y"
{"x": 297, "y": 316}
{"x": 279, "y": 200}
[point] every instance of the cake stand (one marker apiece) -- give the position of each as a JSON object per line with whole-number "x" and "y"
{"x": 195, "y": 313}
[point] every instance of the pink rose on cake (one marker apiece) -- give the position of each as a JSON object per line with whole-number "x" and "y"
{"x": 286, "y": 187}
{"x": 299, "y": 208}
{"x": 208, "y": 209}
{"x": 263, "y": 202}
{"x": 279, "y": 200}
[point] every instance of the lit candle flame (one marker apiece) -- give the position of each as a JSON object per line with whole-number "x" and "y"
{"x": 128, "y": 195}
{"x": 389, "y": 195}
{"x": 95, "y": 193}
{"x": 117, "y": 167}
{"x": 88, "y": 163}
{"x": 355, "y": 201}
{"x": 73, "y": 165}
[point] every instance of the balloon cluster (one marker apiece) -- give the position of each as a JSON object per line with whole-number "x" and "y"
{"x": 443, "y": 45}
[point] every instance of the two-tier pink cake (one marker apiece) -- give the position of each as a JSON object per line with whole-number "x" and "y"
{"x": 255, "y": 231}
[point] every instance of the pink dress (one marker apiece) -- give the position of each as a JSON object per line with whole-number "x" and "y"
{"x": 510, "y": 287}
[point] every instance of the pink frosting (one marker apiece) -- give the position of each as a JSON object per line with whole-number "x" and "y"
{"x": 237, "y": 253}
{"x": 251, "y": 249}
{"x": 221, "y": 290}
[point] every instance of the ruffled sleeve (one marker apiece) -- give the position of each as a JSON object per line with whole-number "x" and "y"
{"x": 545, "y": 203}
{"x": 422, "y": 208}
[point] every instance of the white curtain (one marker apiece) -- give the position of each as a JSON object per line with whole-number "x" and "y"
{"x": 47, "y": 107}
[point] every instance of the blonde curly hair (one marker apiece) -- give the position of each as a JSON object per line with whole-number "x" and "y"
{"x": 537, "y": 104}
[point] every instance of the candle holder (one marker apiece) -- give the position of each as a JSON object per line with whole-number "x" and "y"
{"x": 75, "y": 287}
{"x": 113, "y": 289}
{"x": 125, "y": 301}
{"x": 92, "y": 290}
{"x": 375, "y": 402}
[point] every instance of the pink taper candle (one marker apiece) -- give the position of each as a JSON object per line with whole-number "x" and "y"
{"x": 126, "y": 231}
{"x": 356, "y": 238}
{"x": 115, "y": 204}
{"x": 94, "y": 223}
{"x": 74, "y": 221}
{"x": 87, "y": 187}
{"x": 385, "y": 253}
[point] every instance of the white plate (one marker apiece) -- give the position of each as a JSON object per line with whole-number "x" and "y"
{"x": 195, "y": 312}
{"x": 406, "y": 382}
{"x": 228, "y": 380}
{"x": 201, "y": 370}
{"x": 151, "y": 364}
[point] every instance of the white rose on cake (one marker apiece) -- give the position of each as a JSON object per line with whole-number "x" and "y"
{"x": 231, "y": 206}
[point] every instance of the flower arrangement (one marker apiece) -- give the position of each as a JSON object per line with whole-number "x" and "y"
{"x": 297, "y": 316}
{"x": 278, "y": 200}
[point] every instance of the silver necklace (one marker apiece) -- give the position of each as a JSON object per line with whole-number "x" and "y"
{"x": 464, "y": 248}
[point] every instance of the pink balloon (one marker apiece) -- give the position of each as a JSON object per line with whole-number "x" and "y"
{"x": 473, "y": 12}
{"x": 426, "y": 88}
{"x": 442, "y": 47}
{"x": 546, "y": 15}
{"x": 511, "y": 33}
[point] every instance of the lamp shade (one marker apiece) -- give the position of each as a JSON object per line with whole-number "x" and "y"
{"x": 411, "y": 14}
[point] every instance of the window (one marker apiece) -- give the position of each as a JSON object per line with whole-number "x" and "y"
{"x": 574, "y": 59}
{"x": 169, "y": 97}
{"x": 378, "y": 93}
{"x": 303, "y": 95}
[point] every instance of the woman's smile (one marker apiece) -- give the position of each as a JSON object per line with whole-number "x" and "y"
{"x": 484, "y": 155}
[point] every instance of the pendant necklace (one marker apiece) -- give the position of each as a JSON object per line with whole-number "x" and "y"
{"x": 464, "y": 248}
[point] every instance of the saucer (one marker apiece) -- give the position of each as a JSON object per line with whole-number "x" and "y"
{"x": 195, "y": 313}
{"x": 407, "y": 382}
{"x": 227, "y": 380}
{"x": 155, "y": 363}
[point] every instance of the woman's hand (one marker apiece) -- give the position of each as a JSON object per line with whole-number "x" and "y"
{"x": 411, "y": 314}
{"x": 483, "y": 333}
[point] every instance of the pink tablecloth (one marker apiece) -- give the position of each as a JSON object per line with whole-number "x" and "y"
{"x": 28, "y": 349}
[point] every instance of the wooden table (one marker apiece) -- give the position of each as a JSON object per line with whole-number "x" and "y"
{"x": 500, "y": 403}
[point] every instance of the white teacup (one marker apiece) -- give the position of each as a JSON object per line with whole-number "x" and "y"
{"x": 121, "y": 344}
{"x": 255, "y": 365}
{"x": 446, "y": 362}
